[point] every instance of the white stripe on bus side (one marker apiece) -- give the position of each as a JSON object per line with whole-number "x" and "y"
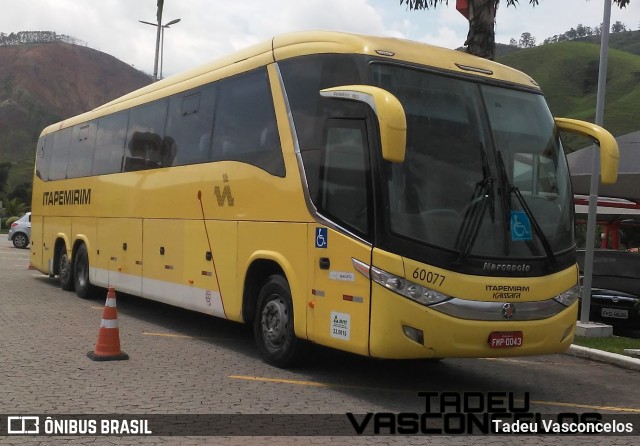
{"x": 184, "y": 296}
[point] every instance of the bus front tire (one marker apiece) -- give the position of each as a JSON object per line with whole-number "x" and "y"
{"x": 83, "y": 286}
{"x": 65, "y": 271}
{"x": 273, "y": 325}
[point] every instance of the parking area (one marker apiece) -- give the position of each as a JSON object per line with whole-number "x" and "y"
{"x": 183, "y": 363}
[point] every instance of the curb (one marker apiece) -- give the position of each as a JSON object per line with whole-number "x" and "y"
{"x": 601, "y": 356}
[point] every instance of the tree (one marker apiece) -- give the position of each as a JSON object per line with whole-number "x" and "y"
{"x": 618, "y": 27}
{"x": 4, "y": 174}
{"x": 527, "y": 40}
{"x": 22, "y": 192}
{"x": 582, "y": 30}
{"x": 481, "y": 39}
{"x": 14, "y": 207}
{"x": 572, "y": 34}
{"x": 597, "y": 30}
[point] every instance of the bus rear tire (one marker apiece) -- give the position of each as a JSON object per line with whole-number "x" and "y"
{"x": 84, "y": 288}
{"x": 65, "y": 270}
{"x": 273, "y": 325}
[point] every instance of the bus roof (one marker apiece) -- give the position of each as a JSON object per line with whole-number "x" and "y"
{"x": 309, "y": 42}
{"x": 300, "y": 43}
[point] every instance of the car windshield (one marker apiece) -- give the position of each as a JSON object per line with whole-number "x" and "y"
{"x": 484, "y": 172}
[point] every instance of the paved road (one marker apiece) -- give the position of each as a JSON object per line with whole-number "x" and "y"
{"x": 186, "y": 363}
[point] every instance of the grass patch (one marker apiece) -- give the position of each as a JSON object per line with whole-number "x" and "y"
{"x": 613, "y": 344}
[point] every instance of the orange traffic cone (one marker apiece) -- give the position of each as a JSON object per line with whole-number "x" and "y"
{"x": 108, "y": 345}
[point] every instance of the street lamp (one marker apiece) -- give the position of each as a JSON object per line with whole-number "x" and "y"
{"x": 162, "y": 27}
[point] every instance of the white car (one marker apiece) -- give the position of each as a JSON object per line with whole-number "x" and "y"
{"x": 20, "y": 231}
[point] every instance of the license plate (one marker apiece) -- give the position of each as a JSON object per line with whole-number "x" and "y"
{"x": 614, "y": 313}
{"x": 505, "y": 339}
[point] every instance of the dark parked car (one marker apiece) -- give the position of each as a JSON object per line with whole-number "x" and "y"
{"x": 615, "y": 287}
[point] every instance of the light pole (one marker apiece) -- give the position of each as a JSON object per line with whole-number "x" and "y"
{"x": 595, "y": 167}
{"x": 161, "y": 29}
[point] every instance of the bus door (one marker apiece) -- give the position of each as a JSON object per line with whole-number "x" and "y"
{"x": 339, "y": 298}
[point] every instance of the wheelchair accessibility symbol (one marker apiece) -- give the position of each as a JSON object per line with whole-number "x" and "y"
{"x": 520, "y": 226}
{"x": 321, "y": 238}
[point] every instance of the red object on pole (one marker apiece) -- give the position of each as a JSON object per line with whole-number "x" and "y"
{"x": 463, "y": 7}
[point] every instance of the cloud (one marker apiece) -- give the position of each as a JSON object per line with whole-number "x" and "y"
{"x": 442, "y": 26}
{"x": 445, "y": 37}
{"x": 231, "y": 26}
{"x": 213, "y": 32}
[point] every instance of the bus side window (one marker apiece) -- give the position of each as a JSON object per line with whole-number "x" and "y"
{"x": 110, "y": 139}
{"x": 245, "y": 127}
{"x": 60, "y": 155}
{"x": 82, "y": 147}
{"x": 146, "y": 148}
{"x": 344, "y": 174}
{"x": 43, "y": 157}
{"x": 304, "y": 77}
{"x": 189, "y": 125}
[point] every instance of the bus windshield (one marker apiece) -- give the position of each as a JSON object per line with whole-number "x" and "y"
{"x": 484, "y": 174}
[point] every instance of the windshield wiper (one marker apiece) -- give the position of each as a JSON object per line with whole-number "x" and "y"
{"x": 506, "y": 190}
{"x": 482, "y": 197}
{"x": 505, "y": 202}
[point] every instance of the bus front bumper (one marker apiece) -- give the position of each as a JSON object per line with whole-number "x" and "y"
{"x": 403, "y": 329}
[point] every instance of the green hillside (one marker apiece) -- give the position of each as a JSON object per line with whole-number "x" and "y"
{"x": 568, "y": 75}
{"x": 628, "y": 41}
{"x": 42, "y": 83}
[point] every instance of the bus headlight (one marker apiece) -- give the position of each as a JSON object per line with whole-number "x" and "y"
{"x": 406, "y": 288}
{"x": 569, "y": 297}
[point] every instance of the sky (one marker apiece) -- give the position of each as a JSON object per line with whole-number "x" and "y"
{"x": 209, "y": 29}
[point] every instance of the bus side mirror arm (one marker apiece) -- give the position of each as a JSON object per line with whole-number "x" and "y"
{"x": 389, "y": 111}
{"x": 609, "y": 153}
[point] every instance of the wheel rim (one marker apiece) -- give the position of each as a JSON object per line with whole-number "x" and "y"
{"x": 20, "y": 241}
{"x": 275, "y": 323}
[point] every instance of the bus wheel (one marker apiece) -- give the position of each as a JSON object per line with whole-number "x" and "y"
{"x": 65, "y": 270}
{"x": 83, "y": 286}
{"x": 273, "y": 325}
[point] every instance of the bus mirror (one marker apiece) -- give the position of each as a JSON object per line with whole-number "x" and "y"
{"x": 609, "y": 153}
{"x": 389, "y": 111}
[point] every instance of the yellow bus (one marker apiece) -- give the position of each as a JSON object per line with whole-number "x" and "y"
{"x": 374, "y": 195}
